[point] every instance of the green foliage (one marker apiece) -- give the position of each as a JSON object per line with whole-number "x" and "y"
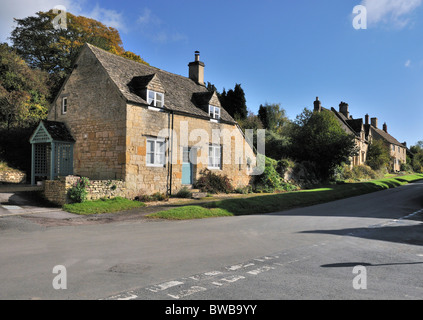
{"x": 378, "y": 155}
{"x": 189, "y": 212}
{"x": 23, "y": 91}
{"x": 55, "y": 50}
{"x": 234, "y": 102}
{"x": 319, "y": 138}
{"x": 360, "y": 173}
{"x": 271, "y": 180}
{"x": 102, "y": 206}
{"x": 184, "y": 193}
{"x": 213, "y": 183}
{"x": 158, "y": 196}
{"x": 78, "y": 193}
{"x": 417, "y": 157}
{"x": 277, "y": 145}
{"x": 273, "y": 117}
{"x": 244, "y": 190}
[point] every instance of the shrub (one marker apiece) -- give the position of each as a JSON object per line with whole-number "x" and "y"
{"x": 244, "y": 190}
{"x": 154, "y": 197}
{"x": 184, "y": 193}
{"x": 213, "y": 183}
{"x": 270, "y": 180}
{"x": 78, "y": 193}
{"x": 358, "y": 173}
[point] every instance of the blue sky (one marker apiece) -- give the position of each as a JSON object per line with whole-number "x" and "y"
{"x": 285, "y": 52}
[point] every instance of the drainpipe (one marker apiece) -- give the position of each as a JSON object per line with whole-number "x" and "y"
{"x": 170, "y": 171}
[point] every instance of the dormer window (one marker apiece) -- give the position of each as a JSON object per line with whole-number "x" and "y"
{"x": 214, "y": 112}
{"x": 155, "y": 99}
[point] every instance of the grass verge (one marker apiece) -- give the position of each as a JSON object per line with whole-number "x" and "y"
{"x": 102, "y": 206}
{"x": 283, "y": 201}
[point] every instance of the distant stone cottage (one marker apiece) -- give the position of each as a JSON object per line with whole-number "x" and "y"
{"x": 156, "y": 131}
{"x": 364, "y": 132}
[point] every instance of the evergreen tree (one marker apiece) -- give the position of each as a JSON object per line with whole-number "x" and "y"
{"x": 234, "y": 102}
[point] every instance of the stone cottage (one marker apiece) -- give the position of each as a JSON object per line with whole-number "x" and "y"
{"x": 364, "y": 132}
{"x": 354, "y": 127}
{"x": 398, "y": 151}
{"x": 150, "y": 128}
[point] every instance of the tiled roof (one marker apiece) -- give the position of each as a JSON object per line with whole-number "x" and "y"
{"x": 58, "y": 131}
{"x": 386, "y": 136}
{"x": 179, "y": 90}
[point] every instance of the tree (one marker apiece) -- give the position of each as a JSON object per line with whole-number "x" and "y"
{"x": 378, "y": 155}
{"x": 234, "y": 102}
{"x": 55, "y": 50}
{"x": 23, "y": 91}
{"x": 318, "y": 137}
{"x": 417, "y": 157}
{"x": 273, "y": 117}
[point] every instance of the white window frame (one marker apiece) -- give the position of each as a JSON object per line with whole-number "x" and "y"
{"x": 214, "y": 112}
{"x": 213, "y": 155}
{"x": 158, "y": 98}
{"x": 64, "y": 105}
{"x": 156, "y": 152}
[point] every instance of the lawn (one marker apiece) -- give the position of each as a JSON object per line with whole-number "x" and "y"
{"x": 102, "y": 206}
{"x": 283, "y": 201}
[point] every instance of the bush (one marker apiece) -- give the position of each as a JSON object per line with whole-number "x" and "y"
{"x": 358, "y": 173}
{"x": 244, "y": 190}
{"x": 270, "y": 180}
{"x": 154, "y": 197}
{"x": 211, "y": 182}
{"x": 184, "y": 193}
{"x": 78, "y": 193}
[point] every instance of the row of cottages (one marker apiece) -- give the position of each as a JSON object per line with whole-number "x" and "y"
{"x": 122, "y": 120}
{"x": 364, "y": 132}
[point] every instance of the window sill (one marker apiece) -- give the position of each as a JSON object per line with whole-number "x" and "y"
{"x": 214, "y": 168}
{"x": 156, "y": 166}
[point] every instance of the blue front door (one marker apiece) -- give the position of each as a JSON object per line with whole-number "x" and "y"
{"x": 186, "y": 167}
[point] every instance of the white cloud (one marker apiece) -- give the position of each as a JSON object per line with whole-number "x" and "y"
{"x": 148, "y": 18}
{"x": 110, "y": 18}
{"x": 395, "y": 13}
{"x": 153, "y": 28}
{"x": 407, "y": 63}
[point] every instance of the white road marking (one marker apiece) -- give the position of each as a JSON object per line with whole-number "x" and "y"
{"x": 164, "y": 286}
{"x": 260, "y": 270}
{"x": 187, "y": 292}
{"x": 239, "y": 266}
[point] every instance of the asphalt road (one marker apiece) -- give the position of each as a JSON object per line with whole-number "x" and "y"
{"x": 308, "y": 253}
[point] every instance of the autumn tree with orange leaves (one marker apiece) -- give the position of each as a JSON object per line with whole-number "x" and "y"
{"x": 54, "y": 50}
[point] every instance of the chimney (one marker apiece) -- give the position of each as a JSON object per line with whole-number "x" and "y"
{"x": 374, "y": 122}
{"x": 196, "y": 69}
{"x": 343, "y": 108}
{"x": 367, "y": 119}
{"x": 317, "y": 105}
{"x": 385, "y": 127}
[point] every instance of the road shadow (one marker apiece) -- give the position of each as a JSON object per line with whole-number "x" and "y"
{"x": 408, "y": 234}
{"x": 365, "y": 264}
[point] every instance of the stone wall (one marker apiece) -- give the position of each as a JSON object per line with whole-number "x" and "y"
{"x": 56, "y": 190}
{"x": 96, "y": 119}
{"x": 188, "y": 132}
{"x": 12, "y": 176}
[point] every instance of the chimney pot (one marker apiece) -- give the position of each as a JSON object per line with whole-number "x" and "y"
{"x": 374, "y": 122}
{"x": 343, "y": 108}
{"x": 385, "y": 127}
{"x": 317, "y": 105}
{"x": 196, "y": 69}
{"x": 367, "y": 119}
